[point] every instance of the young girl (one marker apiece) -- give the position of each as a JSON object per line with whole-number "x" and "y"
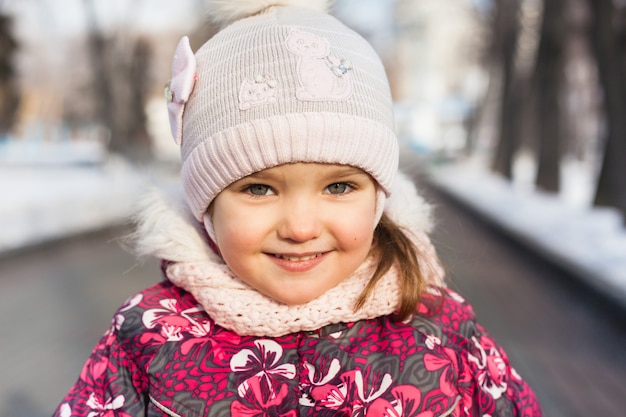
{"x": 299, "y": 278}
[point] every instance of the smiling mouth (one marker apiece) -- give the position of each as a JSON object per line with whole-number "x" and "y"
{"x": 293, "y": 258}
{"x": 298, "y": 263}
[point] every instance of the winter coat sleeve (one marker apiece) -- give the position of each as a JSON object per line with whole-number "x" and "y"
{"x": 493, "y": 387}
{"x": 110, "y": 383}
{"x": 488, "y": 384}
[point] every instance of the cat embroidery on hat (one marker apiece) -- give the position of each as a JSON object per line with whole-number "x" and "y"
{"x": 321, "y": 76}
{"x": 256, "y": 92}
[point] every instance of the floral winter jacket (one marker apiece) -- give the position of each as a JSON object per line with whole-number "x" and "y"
{"x": 202, "y": 343}
{"x": 163, "y": 356}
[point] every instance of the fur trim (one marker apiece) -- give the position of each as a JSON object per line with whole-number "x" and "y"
{"x": 407, "y": 208}
{"x": 166, "y": 229}
{"x": 224, "y": 12}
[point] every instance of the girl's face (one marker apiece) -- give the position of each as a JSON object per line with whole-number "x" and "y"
{"x": 295, "y": 231}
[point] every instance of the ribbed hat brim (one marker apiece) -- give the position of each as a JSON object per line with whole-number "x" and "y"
{"x": 331, "y": 138}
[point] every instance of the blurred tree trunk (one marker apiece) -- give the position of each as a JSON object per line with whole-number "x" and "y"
{"x": 608, "y": 35}
{"x": 505, "y": 34}
{"x": 121, "y": 83}
{"x": 9, "y": 91}
{"x": 548, "y": 81}
{"x": 139, "y": 86}
{"x": 98, "y": 52}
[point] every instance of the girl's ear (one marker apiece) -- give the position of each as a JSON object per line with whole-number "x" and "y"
{"x": 381, "y": 199}
{"x": 213, "y": 246}
{"x": 210, "y": 231}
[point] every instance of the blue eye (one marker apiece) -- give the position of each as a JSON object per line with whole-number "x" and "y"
{"x": 259, "y": 189}
{"x": 338, "y": 188}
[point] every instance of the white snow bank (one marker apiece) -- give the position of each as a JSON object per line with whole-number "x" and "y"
{"x": 48, "y": 202}
{"x": 589, "y": 242}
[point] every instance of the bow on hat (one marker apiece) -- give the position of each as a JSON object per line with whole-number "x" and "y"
{"x": 179, "y": 88}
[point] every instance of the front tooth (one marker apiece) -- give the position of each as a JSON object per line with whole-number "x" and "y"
{"x": 296, "y": 258}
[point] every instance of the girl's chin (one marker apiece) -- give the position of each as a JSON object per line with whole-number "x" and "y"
{"x": 291, "y": 299}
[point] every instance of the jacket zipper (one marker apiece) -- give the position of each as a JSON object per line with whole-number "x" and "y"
{"x": 451, "y": 410}
{"x": 163, "y": 408}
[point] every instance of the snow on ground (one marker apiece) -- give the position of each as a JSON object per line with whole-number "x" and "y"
{"x": 589, "y": 242}
{"x": 40, "y": 203}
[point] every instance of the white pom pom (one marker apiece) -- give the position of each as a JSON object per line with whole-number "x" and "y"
{"x": 224, "y": 12}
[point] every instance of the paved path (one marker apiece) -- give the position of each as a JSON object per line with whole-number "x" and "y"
{"x": 566, "y": 342}
{"x": 56, "y": 301}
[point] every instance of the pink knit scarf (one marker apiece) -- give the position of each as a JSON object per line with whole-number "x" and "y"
{"x": 233, "y": 304}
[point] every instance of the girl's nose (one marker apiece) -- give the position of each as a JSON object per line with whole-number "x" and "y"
{"x": 300, "y": 222}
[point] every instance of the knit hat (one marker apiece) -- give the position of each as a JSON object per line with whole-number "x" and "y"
{"x": 278, "y": 84}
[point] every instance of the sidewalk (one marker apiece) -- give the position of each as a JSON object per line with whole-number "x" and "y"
{"x": 588, "y": 243}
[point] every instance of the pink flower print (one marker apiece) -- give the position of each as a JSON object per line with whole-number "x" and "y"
{"x": 378, "y": 386}
{"x": 321, "y": 378}
{"x": 515, "y": 375}
{"x": 131, "y": 302}
{"x": 369, "y": 388}
{"x": 66, "y": 410}
{"x": 456, "y": 297}
{"x": 405, "y": 403}
{"x": 200, "y": 328}
{"x": 432, "y": 341}
{"x": 330, "y": 396}
{"x": 448, "y": 366}
{"x": 263, "y": 362}
{"x": 108, "y": 409}
{"x": 118, "y": 321}
{"x": 491, "y": 375}
{"x": 257, "y": 404}
{"x": 407, "y": 400}
{"x": 334, "y": 396}
{"x": 172, "y": 321}
{"x": 95, "y": 367}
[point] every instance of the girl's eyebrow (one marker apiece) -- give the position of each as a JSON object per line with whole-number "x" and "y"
{"x": 346, "y": 171}
{"x": 259, "y": 175}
